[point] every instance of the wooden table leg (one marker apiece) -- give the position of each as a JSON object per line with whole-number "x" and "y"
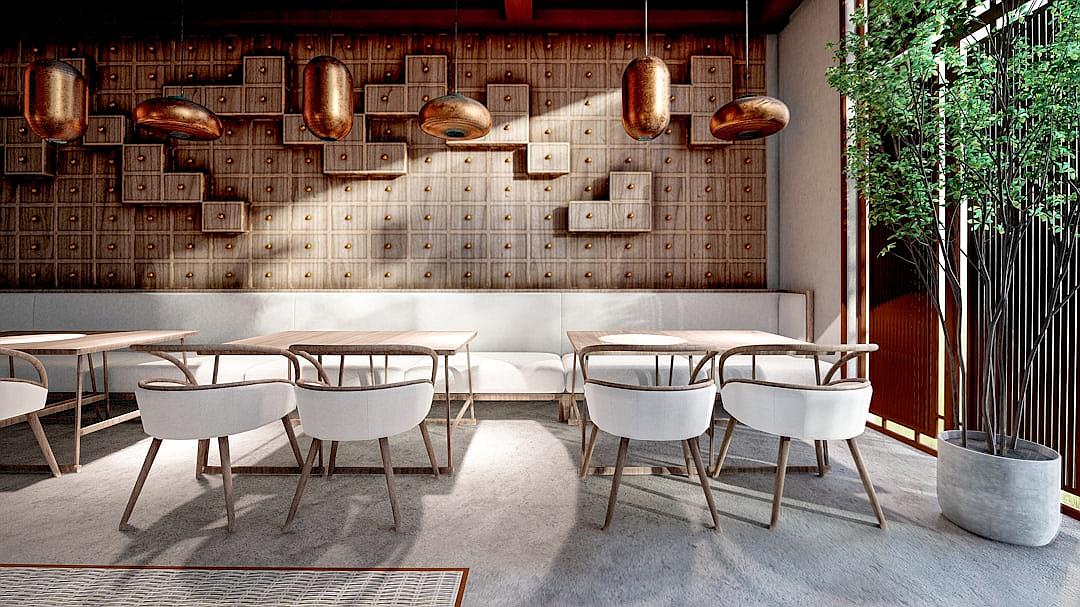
{"x": 77, "y": 446}
{"x": 449, "y": 421}
{"x": 105, "y": 383}
{"x": 468, "y": 378}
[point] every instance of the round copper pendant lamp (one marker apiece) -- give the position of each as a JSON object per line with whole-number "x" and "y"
{"x": 328, "y": 98}
{"x": 177, "y": 117}
{"x": 646, "y": 94}
{"x": 455, "y": 117}
{"x": 749, "y": 116}
{"x": 56, "y": 100}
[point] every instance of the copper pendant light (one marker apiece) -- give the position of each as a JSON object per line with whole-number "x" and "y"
{"x": 56, "y": 100}
{"x": 455, "y": 117}
{"x": 646, "y": 94}
{"x": 328, "y": 98}
{"x": 177, "y": 116}
{"x": 749, "y": 116}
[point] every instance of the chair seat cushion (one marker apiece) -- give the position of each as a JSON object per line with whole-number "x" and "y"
{"x": 633, "y": 369}
{"x": 492, "y": 372}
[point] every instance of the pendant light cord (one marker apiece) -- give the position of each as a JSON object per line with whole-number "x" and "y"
{"x": 746, "y": 57}
{"x": 455, "y": 46}
{"x": 646, "y": 28}
{"x": 182, "y": 48}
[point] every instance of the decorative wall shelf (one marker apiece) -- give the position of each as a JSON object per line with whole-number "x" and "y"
{"x": 225, "y": 217}
{"x": 629, "y": 208}
{"x": 547, "y": 159}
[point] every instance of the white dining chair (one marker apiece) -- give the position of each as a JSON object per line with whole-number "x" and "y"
{"x": 648, "y": 413}
{"x": 174, "y": 409}
{"x": 829, "y": 409}
{"x": 347, "y": 413}
{"x": 26, "y": 398}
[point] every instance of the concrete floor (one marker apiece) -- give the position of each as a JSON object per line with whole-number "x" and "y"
{"x": 516, "y": 514}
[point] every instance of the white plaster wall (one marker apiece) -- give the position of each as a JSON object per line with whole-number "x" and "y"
{"x": 809, "y": 164}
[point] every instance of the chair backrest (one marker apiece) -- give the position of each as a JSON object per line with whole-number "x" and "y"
{"x": 22, "y": 396}
{"x": 830, "y": 409}
{"x": 657, "y": 413}
{"x": 183, "y": 409}
{"x": 352, "y": 413}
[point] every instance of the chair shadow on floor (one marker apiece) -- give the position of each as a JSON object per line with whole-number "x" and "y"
{"x": 347, "y": 514}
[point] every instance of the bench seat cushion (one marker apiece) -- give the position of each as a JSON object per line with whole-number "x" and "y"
{"x": 783, "y": 369}
{"x": 633, "y": 369}
{"x": 492, "y": 372}
{"x": 126, "y": 368}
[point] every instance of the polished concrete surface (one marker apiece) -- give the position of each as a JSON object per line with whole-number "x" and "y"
{"x": 516, "y": 514}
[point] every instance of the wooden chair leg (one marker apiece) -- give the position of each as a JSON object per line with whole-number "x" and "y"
{"x": 305, "y": 473}
{"x": 867, "y": 484}
{"x": 140, "y": 481}
{"x": 201, "y": 455}
{"x": 295, "y": 446}
{"x": 624, "y": 443}
{"x": 427, "y": 446}
{"x": 778, "y": 489}
{"x": 819, "y": 449}
{"x": 388, "y": 469}
{"x": 587, "y": 456}
{"x": 686, "y": 460}
{"x": 704, "y": 479}
{"x": 333, "y": 460}
{"x": 729, "y": 432}
{"x": 43, "y": 442}
{"x": 227, "y": 480}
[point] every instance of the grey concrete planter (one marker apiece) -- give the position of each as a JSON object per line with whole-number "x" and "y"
{"x": 1008, "y": 499}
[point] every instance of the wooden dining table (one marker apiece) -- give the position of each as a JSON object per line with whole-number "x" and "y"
{"x": 444, "y": 343}
{"x": 83, "y": 345}
{"x": 658, "y": 343}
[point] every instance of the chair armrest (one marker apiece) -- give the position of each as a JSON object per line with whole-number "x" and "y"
{"x": 847, "y": 353}
{"x": 215, "y": 350}
{"x": 43, "y": 377}
{"x": 364, "y": 350}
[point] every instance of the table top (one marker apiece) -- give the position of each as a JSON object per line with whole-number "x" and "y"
{"x": 442, "y": 342}
{"x": 647, "y": 340}
{"x": 72, "y": 343}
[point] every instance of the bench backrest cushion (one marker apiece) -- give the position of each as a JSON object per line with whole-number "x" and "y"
{"x": 523, "y": 321}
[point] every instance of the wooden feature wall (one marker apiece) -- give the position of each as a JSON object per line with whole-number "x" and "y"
{"x": 460, "y": 216}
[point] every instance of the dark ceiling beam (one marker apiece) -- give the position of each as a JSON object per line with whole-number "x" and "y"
{"x": 776, "y": 13}
{"x": 551, "y": 20}
{"x": 519, "y": 11}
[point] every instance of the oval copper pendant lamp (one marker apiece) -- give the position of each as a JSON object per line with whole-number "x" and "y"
{"x": 328, "y": 98}
{"x": 646, "y": 94}
{"x": 455, "y": 117}
{"x": 749, "y": 116}
{"x": 56, "y": 100}
{"x": 177, "y": 116}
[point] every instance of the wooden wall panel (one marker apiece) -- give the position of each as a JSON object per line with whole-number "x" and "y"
{"x": 443, "y": 225}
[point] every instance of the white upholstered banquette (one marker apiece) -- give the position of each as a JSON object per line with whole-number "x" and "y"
{"x": 521, "y": 348}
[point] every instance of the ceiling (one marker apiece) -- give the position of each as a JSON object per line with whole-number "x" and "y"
{"x": 129, "y": 17}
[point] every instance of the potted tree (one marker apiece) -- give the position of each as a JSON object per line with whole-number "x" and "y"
{"x": 963, "y": 141}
